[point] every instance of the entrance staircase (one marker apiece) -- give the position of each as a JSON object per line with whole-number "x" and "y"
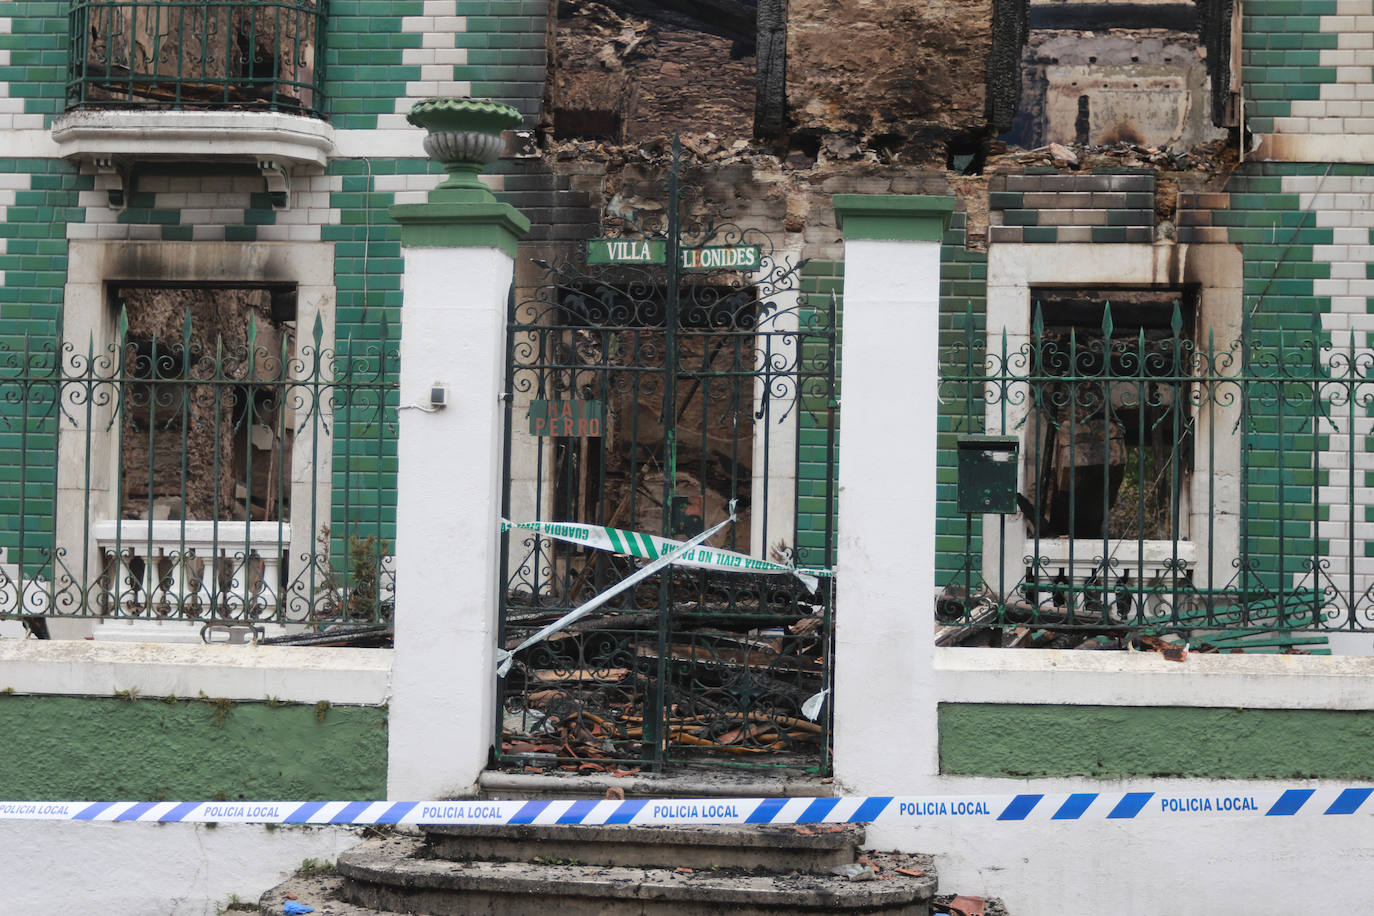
{"x": 609, "y": 871}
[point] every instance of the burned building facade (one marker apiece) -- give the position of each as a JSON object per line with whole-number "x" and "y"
{"x": 1156, "y": 201}
{"x": 1147, "y": 356}
{"x": 1116, "y": 167}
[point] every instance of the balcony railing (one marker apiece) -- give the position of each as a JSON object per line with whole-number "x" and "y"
{"x": 219, "y": 570}
{"x": 252, "y": 55}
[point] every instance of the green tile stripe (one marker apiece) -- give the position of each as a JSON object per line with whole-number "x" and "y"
{"x": 1277, "y": 238}
{"x": 34, "y": 266}
{"x": 364, "y": 72}
{"x": 37, "y": 42}
{"x": 151, "y": 205}
{"x": 963, "y": 307}
{"x": 363, "y": 55}
{"x": 142, "y": 209}
{"x": 263, "y": 749}
{"x": 819, "y": 279}
{"x": 506, "y": 56}
{"x": 368, "y": 267}
{"x": 1113, "y": 742}
{"x": 1281, "y": 50}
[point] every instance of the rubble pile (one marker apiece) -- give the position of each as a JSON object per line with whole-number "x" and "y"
{"x": 1014, "y": 622}
{"x": 1214, "y": 158}
{"x": 737, "y": 681}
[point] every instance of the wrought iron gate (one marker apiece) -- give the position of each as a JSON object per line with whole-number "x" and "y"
{"x": 652, "y": 379}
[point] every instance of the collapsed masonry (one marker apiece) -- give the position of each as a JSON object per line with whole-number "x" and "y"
{"x": 783, "y": 103}
{"x": 1119, "y": 114}
{"x": 804, "y": 92}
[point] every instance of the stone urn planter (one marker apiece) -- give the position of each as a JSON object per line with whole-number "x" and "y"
{"x": 464, "y": 135}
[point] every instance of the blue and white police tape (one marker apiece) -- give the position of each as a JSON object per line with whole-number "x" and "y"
{"x": 1075, "y": 806}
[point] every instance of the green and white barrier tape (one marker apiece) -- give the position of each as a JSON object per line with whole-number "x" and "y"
{"x": 504, "y": 658}
{"x": 651, "y": 547}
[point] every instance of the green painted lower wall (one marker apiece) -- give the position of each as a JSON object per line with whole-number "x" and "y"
{"x": 102, "y": 748}
{"x": 1114, "y": 741}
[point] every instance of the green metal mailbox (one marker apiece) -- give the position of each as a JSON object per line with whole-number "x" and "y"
{"x": 987, "y": 474}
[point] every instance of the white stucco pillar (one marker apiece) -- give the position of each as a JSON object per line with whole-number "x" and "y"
{"x": 459, "y": 252}
{"x": 885, "y": 711}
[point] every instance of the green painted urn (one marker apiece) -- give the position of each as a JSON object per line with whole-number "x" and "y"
{"x": 464, "y": 135}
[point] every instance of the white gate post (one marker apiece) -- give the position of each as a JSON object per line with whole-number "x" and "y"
{"x": 459, "y": 252}
{"x": 885, "y": 711}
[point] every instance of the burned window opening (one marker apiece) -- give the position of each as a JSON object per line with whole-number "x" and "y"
{"x": 1148, "y": 72}
{"x": 1081, "y": 124}
{"x": 207, "y": 427}
{"x": 806, "y": 144}
{"x": 966, "y": 152}
{"x": 627, "y": 70}
{"x": 1109, "y": 438}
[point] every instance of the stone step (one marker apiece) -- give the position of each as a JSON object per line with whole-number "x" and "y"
{"x": 387, "y": 875}
{"x": 759, "y": 847}
{"x": 324, "y": 890}
{"x": 324, "y": 894}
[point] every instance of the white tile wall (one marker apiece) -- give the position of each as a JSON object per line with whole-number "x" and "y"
{"x": 208, "y": 204}
{"x": 1347, "y": 105}
{"x": 409, "y": 189}
{"x": 1343, "y": 203}
{"x": 436, "y": 57}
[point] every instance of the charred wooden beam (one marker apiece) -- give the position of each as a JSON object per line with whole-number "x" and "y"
{"x": 1010, "y": 29}
{"x": 119, "y": 82}
{"x": 1216, "y": 22}
{"x": 770, "y": 94}
{"x": 737, "y": 658}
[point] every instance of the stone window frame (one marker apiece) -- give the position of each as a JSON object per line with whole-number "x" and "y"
{"x": 1217, "y": 272}
{"x": 94, "y": 268}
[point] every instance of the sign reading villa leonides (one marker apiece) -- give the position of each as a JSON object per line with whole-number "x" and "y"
{"x": 654, "y": 251}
